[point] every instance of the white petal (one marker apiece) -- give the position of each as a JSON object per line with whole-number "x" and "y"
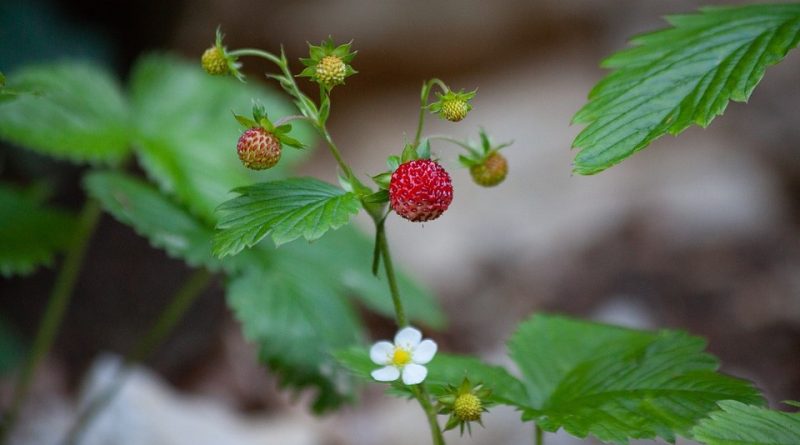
{"x": 424, "y": 352}
{"x": 408, "y": 338}
{"x": 413, "y": 373}
{"x": 381, "y": 353}
{"x": 386, "y": 374}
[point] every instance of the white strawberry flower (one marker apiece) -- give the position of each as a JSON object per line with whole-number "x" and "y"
{"x": 405, "y": 357}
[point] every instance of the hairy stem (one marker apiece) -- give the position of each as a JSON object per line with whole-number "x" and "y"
{"x": 54, "y": 312}
{"x": 430, "y": 412}
{"x": 170, "y": 316}
{"x": 539, "y": 435}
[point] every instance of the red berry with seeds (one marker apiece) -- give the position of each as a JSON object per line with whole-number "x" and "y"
{"x": 420, "y": 190}
{"x": 259, "y": 149}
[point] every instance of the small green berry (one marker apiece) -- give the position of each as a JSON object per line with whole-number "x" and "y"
{"x": 491, "y": 171}
{"x": 454, "y": 110}
{"x": 331, "y": 71}
{"x": 214, "y": 62}
{"x": 467, "y": 407}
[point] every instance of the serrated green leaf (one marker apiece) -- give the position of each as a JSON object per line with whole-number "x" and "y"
{"x": 297, "y": 321}
{"x": 286, "y": 210}
{"x": 77, "y": 112}
{"x": 681, "y": 76}
{"x": 187, "y": 144}
{"x": 154, "y": 216}
{"x": 618, "y": 384}
{"x": 30, "y": 233}
{"x": 740, "y": 424}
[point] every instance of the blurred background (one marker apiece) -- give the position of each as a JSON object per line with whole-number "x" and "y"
{"x": 699, "y": 232}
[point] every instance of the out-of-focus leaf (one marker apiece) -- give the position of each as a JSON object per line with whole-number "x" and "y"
{"x": 70, "y": 111}
{"x": 740, "y": 424}
{"x": 30, "y": 233}
{"x": 186, "y": 132}
{"x": 154, "y": 216}
{"x": 297, "y": 320}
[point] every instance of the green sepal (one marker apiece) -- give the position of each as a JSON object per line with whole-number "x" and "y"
{"x": 393, "y": 162}
{"x": 409, "y": 153}
{"x": 467, "y": 161}
{"x": 451, "y": 95}
{"x": 246, "y": 122}
{"x": 383, "y": 180}
{"x": 381, "y": 196}
{"x": 324, "y": 108}
{"x": 290, "y": 141}
{"x": 424, "y": 150}
{"x": 2, "y": 79}
{"x": 324, "y": 49}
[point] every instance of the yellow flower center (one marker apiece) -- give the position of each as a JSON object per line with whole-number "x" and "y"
{"x": 401, "y": 357}
{"x": 467, "y": 407}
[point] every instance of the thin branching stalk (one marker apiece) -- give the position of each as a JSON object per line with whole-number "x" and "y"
{"x": 539, "y": 435}
{"x": 169, "y": 317}
{"x": 54, "y": 312}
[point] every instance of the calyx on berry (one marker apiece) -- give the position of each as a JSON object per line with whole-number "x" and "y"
{"x": 486, "y": 165}
{"x": 328, "y": 64}
{"x": 465, "y": 404}
{"x": 218, "y": 62}
{"x": 453, "y": 106}
{"x": 259, "y": 146}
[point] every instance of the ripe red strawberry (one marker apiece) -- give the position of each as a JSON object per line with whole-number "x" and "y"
{"x": 258, "y": 149}
{"x": 420, "y": 190}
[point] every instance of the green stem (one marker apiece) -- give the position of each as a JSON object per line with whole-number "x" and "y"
{"x": 383, "y": 245}
{"x": 55, "y": 310}
{"x": 430, "y": 412}
{"x": 539, "y": 435}
{"x": 454, "y": 141}
{"x": 257, "y": 53}
{"x": 170, "y": 316}
{"x": 291, "y": 87}
{"x": 423, "y": 104}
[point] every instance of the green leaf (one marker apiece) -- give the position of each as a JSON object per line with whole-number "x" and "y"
{"x": 287, "y": 210}
{"x": 681, "y": 76}
{"x": 740, "y": 424}
{"x": 154, "y": 216}
{"x": 297, "y": 321}
{"x": 77, "y": 113}
{"x": 618, "y": 384}
{"x": 30, "y": 234}
{"x": 187, "y": 144}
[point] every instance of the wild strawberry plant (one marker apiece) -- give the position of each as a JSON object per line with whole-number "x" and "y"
{"x": 295, "y": 299}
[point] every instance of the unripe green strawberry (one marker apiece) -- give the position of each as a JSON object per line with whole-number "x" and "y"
{"x": 454, "y": 110}
{"x": 468, "y": 407}
{"x": 420, "y": 190}
{"x": 214, "y": 62}
{"x": 259, "y": 149}
{"x": 331, "y": 71}
{"x": 491, "y": 172}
